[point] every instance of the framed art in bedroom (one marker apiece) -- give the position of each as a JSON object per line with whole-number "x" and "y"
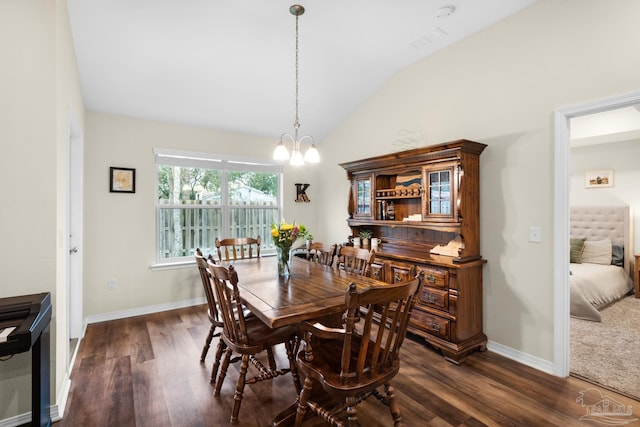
{"x": 598, "y": 178}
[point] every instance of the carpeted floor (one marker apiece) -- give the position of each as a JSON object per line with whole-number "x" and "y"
{"x": 607, "y": 352}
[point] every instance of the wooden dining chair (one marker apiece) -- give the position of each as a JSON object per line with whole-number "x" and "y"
{"x": 212, "y": 313}
{"x": 212, "y": 308}
{"x": 353, "y": 362}
{"x": 248, "y": 336}
{"x": 238, "y": 246}
{"x": 355, "y": 260}
{"x": 321, "y": 253}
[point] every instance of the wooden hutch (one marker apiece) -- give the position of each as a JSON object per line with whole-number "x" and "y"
{"x": 423, "y": 204}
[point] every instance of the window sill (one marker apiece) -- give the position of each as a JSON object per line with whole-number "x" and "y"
{"x": 172, "y": 265}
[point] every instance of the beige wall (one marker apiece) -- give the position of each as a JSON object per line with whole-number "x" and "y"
{"x": 500, "y": 87}
{"x": 39, "y": 85}
{"x": 120, "y": 228}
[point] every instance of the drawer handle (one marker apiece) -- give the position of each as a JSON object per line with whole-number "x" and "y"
{"x": 397, "y": 277}
{"x": 435, "y": 327}
{"x": 431, "y": 278}
{"x": 431, "y": 298}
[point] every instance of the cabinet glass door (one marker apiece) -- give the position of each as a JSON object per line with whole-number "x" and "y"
{"x": 363, "y": 196}
{"x": 440, "y": 192}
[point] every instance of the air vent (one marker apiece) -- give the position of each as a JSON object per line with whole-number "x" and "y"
{"x": 424, "y": 40}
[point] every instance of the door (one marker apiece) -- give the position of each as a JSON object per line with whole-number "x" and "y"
{"x": 74, "y": 226}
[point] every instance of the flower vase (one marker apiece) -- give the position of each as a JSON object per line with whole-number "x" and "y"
{"x": 284, "y": 261}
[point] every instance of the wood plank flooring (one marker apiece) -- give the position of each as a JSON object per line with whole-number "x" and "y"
{"x": 146, "y": 371}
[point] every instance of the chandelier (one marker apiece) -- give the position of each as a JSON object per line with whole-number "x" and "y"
{"x": 281, "y": 153}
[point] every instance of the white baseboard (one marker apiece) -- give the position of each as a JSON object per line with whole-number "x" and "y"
{"x": 57, "y": 411}
{"x": 524, "y": 358}
{"x": 25, "y": 419}
{"x": 122, "y": 314}
{"x": 18, "y": 420}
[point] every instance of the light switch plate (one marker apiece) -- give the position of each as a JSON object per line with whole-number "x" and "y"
{"x": 535, "y": 234}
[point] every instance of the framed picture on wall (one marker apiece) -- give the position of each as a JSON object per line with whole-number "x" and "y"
{"x": 599, "y": 178}
{"x": 122, "y": 180}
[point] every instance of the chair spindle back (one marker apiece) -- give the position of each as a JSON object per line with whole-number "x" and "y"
{"x": 238, "y": 245}
{"x": 355, "y": 260}
{"x": 231, "y": 310}
{"x": 379, "y": 318}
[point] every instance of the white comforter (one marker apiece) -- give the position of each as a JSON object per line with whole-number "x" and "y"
{"x": 594, "y": 286}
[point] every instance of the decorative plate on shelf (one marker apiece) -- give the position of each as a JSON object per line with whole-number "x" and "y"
{"x": 408, "y": 180}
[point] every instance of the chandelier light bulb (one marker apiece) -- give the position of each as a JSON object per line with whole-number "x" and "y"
{"x": 296, "y": 158}
{"x": 280, "y": 153}
{"x": 312, "y": 155}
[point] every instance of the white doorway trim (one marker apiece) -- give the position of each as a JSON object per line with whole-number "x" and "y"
{"x": 562, "y": 151}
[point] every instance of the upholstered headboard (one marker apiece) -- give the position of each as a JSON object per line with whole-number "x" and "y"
{"x": 605, "y": 222}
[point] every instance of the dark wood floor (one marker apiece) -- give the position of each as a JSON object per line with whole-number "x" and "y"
{"x": 146, "y": 371}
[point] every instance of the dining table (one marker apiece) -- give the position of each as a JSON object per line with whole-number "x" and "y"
{"x": 311, "y": 291}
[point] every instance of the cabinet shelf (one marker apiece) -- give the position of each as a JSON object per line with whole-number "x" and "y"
{"x": 398, "y": 197}
{"x": 440, "y": 226}
{"x": 399, "y": 193}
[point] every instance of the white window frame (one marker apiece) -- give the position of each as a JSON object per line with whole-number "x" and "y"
{"x": 172, "y": 157}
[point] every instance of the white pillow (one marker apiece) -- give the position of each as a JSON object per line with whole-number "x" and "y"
{"x": 597, "y": 251}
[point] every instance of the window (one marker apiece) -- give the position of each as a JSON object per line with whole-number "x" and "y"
{"x": 202, "y": 196}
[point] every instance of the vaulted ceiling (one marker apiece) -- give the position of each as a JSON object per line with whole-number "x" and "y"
{"x": 230, "y": 64}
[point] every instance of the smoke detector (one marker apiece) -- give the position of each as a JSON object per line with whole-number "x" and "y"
{"x": 445, "y": 11}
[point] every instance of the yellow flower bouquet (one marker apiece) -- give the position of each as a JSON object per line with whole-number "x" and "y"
{"x": 284, "y": 236}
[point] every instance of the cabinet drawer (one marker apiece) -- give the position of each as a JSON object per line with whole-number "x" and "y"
{"x": 432, "y": 324}
{"x": 435, "y": 298}
{"x": 436, "y": 278}
{"x": 401, "y": 273}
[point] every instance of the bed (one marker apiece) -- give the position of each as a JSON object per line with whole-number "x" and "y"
{"x": 601, "y": 251}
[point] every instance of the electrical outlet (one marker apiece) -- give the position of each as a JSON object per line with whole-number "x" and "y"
{"x": 535, "y": 234}
{"x": 112, "y": 283}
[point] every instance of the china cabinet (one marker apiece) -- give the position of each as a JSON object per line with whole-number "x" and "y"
{"x": 423, "y": 205}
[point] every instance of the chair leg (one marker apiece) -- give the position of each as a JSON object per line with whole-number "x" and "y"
{"x": 288, "y": 345}
{"x": 214, "y": 369}
{"x": 272, "y": 359}
{"x": 240, "y": 388}
{"x": 223, "y": 371}
{"x": 207, "y": 343}
{"x": 352, "y": 415}
{"x": 302, "y": 402}
{"x": 393, "y": 405}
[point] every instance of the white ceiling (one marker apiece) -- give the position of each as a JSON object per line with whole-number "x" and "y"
{"x": 229, "y": 64}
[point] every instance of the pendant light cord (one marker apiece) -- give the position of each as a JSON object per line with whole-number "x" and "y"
{"x": 296, "y": 124}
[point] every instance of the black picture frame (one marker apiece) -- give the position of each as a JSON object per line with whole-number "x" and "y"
{"x": 122, "y": 180}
